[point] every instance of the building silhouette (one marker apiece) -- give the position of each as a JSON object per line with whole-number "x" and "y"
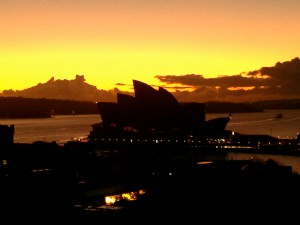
{"x": 155, "y": 111}
{"x": 7, "y": 134}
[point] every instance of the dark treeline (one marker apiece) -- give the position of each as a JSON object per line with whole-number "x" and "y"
{"x": 18, "y": 107}
{"x": 258, "y": 106}
{"x": 231, "y": 107}
{"x": 279, "y": 104}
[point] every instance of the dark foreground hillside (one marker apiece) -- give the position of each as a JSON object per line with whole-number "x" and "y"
{"x": 46, "y": 183}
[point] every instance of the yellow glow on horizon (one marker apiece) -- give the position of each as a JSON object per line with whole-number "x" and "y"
{"x": 114, "y": 42}
{"x": 117, "y": 62}
{"x": 240, "y": 88}
{"x": 257, "y": 76}
{"x": 104, "y": 67}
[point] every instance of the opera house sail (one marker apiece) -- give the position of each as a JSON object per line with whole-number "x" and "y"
{"x": 153, "y": 112}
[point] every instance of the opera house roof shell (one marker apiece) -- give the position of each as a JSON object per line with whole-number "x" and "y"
{"x": 156, "y": 110}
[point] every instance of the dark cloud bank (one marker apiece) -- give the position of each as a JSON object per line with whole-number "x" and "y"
{"x": 280, "y": 81}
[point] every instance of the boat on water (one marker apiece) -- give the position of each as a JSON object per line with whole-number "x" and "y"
{"x": 279, "y": 116}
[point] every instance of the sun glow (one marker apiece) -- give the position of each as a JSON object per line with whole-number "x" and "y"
{"x": 256, "y": 76}
{"x": 113, "y": 42}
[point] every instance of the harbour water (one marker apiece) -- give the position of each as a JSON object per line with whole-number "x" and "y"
{"x": 265, "y": 123}
{"x": 62, "y": 128}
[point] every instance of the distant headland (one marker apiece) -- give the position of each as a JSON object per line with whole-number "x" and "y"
{"x": 19, "y": 107}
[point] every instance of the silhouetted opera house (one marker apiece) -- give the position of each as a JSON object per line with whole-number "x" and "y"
{"x": 154, "y": 111}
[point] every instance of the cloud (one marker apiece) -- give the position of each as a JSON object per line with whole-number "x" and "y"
{"x": 199, "y": 80}
{"x": 279, "y": 81}
{"x": 121, "y": 84}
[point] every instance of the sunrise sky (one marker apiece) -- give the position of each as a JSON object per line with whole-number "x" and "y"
{"x": 115, "y": 41}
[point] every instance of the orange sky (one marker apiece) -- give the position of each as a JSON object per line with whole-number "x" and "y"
{"x": 116, "y": 41}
